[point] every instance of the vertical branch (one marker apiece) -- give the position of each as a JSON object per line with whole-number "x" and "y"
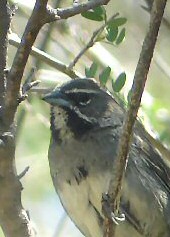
{"x": 32, "y": 29}
{"x": 5, "y": 17}
{"x": 139, "y": 81}
{"x": 13, "y": 219}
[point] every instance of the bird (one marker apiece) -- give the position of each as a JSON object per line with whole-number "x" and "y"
{"x": 86, "y": 123}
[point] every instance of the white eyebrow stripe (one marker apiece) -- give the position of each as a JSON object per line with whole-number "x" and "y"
{"x": 81, "y": 91}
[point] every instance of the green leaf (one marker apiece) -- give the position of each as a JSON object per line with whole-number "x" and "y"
{"x": 104, "y": 75}
{"x": 92, "y": 16}
{"x": 119, "y": 83}
{"x": 117, "y": 22}
{"x": 112, "y": 33}
{"x": 121, "y": 36}
{"x": 96, "y": 14}
{"x": 90, "y": 72}
{"x": 100, "y": 10}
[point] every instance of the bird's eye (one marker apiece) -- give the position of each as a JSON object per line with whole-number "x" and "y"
{"x": 82, "y": 99}
{"x": 83, "y": 103}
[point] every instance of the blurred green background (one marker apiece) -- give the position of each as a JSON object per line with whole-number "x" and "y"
{"x": 63, "y": 40}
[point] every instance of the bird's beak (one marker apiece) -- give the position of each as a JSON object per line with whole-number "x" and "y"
{"x": 57, "y": 98}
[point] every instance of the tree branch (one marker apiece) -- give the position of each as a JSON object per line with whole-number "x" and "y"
{"x": 5, "y": 17}
{"x": 149, "y": 3}
{"x": 77, "y": 9}
{"x": 13, "y": 219}
{"x": 140, "y": 78}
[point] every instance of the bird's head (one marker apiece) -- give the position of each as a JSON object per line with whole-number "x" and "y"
{"x": 78, "y": 104}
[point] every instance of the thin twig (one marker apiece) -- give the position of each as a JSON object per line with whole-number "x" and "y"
{"x": 92, "y": 41}
{"x": 140, "y": 78}
{"x": 46, "y": 58}
{"x": 77, "y": 9}
{"x": 23, "y": 173}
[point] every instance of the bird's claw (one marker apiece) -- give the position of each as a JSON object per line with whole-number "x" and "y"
{"x": 107, "y": 210}
{"x": 117, "y": 218}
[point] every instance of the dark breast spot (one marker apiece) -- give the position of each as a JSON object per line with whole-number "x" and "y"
{"x": 80, "y": 174}
{"x": 83, "y": 171}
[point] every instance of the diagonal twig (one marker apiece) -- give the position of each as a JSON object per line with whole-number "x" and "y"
{"x": 92, "y": 41}
{"x": 46, "y": 58}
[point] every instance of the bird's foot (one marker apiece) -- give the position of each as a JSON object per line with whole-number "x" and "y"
{"x": 107, "y": 210}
